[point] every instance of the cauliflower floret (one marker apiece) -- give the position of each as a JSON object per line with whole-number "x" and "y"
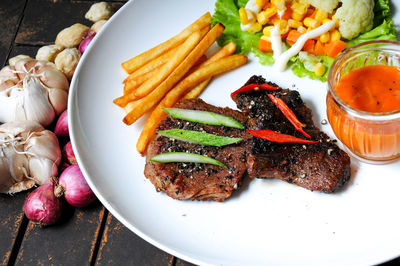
{"x": 355, "y": 17}
{"x": 325, "y": 5}
{"x": 72, "y": 36}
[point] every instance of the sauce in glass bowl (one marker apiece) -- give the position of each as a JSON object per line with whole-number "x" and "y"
{"x": 363, "y": 101}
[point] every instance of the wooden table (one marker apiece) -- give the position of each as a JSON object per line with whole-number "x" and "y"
{"x": 90, "y": 236}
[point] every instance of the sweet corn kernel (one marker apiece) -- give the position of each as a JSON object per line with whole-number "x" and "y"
{"x": 283, "y": 26}
{"x": 294, "y": 23}
{"x": 255, "y": 27}
{"x": 324, "y": 38}
{"x": 243, "y": 16}
{"x": 267, "y": 30}
{"x": 266, "y": 38}
{"x": 300, "y": 8}
{"x": 302, "y": 29}
{"x": 269, "y": 12}
{"x": 297, "y": 16}
{"x": 261, "y": 3}
{"x": 262, "y": 18}
{"x": 319, "y": 69}
{"x": 321, "y": 15}
{"x": 311, "y": 23}
{"x": 280, "y": 4}
{"x": 335, "y": 35}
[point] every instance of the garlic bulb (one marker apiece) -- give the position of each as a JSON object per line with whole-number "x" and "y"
{"x": 29, "y": 155}
{"x": 32, "y": 90}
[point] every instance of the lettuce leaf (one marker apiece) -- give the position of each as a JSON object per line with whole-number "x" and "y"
{"x": 227, "y": 13}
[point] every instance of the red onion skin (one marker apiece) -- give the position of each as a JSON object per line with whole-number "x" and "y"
{"x": 76, "y": 190}
{"x": 85, "y": 43}
{"x": 68, "y": 154}
{"x": 42, "y": 206}
{"x": 61, "y": 129}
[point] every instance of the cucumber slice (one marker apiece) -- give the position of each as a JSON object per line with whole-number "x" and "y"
{"x": 198, "y": 137}
{"x": 184, "y": 157}
{"x": 203, "y": 117}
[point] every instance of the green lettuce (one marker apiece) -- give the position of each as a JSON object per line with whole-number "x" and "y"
{"x": 227, "y": 13}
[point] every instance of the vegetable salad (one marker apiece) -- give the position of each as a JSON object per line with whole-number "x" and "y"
{"x": 250, "y": 23}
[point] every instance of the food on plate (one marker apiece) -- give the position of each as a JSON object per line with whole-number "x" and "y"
{"x": 67, "y": 61}
{"x": 29, "y": 155}
{"x": 173, "y": 70}
{"x": 14, "y": 59}
{"x": 72, "y": 36}
{"x": 42, "y": 206}
{"x": 321, "y": 166}
{"x": 99, "y": 11}
{"x": 48, "y": 52}
{"x": 32, "y": 90}
{"x": 268, "y": 28}
{"x": 73, "y": 186}
{"x": 198, "y": 181}
{"x": 363, "y": 102}
{"x": 197, "y": 137}
{"x": 138, "y": 61}
{"x": 185, "y": 157}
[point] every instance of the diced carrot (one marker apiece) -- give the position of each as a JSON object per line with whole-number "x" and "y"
{"x": 335, "y": 47}
{"x": 284, "y": 36}
{"x": 319, "y": 48}
{"x": 288, "y": 13}
{"x": 273, "y": 19}
{"x": 309, "y": 46}
{"x": 267, "y": 5}
{"x": 265, "y": 46}
{"x": 293, "y": 36}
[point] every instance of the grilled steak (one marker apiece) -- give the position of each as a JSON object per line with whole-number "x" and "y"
{"x": 192, "y": 180}
{"x": 321, "y": 166}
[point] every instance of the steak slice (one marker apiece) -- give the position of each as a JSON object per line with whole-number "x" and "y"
{"x": 322, "y": 166}
{"x": 193, "y": 180}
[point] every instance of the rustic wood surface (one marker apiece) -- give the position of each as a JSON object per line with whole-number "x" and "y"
{"x": 89, "y": 236}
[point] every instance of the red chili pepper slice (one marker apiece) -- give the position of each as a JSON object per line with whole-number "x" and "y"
{"x": 278, "y": 137}
{"x": 251, "y": 87}
{"x": 289, "y": 114}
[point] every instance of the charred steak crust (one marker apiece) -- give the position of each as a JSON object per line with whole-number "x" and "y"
{"x": 192, "y": 180}
{"x": 322, "y": 166}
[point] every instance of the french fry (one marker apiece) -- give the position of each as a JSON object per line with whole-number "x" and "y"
{"x": 203, "y": 73}
{"x": 155, "y": 63}
{"x": 225, "y": 51}
{"x": 173, "y": 62}
{"x": 137, "y": 108}
{"x": 195, "y": 92}
{"x": 134, "y": 83}
{"x": 138, "y": 61}
{"x": 149, "y": 129}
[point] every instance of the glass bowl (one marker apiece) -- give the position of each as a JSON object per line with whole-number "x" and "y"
{"x": 371, "y": 136}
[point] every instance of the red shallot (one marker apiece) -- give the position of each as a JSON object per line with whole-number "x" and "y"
{"x": 42, "y": 206}
{"x": 68, "y": 154}
{"x": 73, "y": 186}
{"x": 85, "y": 43}
{"x": 61, "y": 129}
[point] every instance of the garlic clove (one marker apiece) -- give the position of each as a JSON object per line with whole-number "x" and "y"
{"x": 42, "y": 169}
{"x": 44, "y": 144}
{"x": 59, "y": 99}
{"x": 7, "y": 73}
{"x": 53, "y": 78}
{"x": 14, "y": 59}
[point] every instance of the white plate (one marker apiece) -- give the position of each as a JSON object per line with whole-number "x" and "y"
{"x": 266, "y": 221}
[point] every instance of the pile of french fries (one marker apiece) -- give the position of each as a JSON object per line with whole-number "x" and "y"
{"x": 173, "y": 70}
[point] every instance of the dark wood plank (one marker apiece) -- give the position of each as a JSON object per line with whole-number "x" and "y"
{"x": 44, "y": 19}
{"x": 71, "y": 241}
{"x": 10, "y": 14}
{"x": 120, "y": 246}
{"x": 180, "y": 262}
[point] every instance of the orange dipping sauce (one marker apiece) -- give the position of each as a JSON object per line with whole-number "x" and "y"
{"x": 374, "y": 88}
